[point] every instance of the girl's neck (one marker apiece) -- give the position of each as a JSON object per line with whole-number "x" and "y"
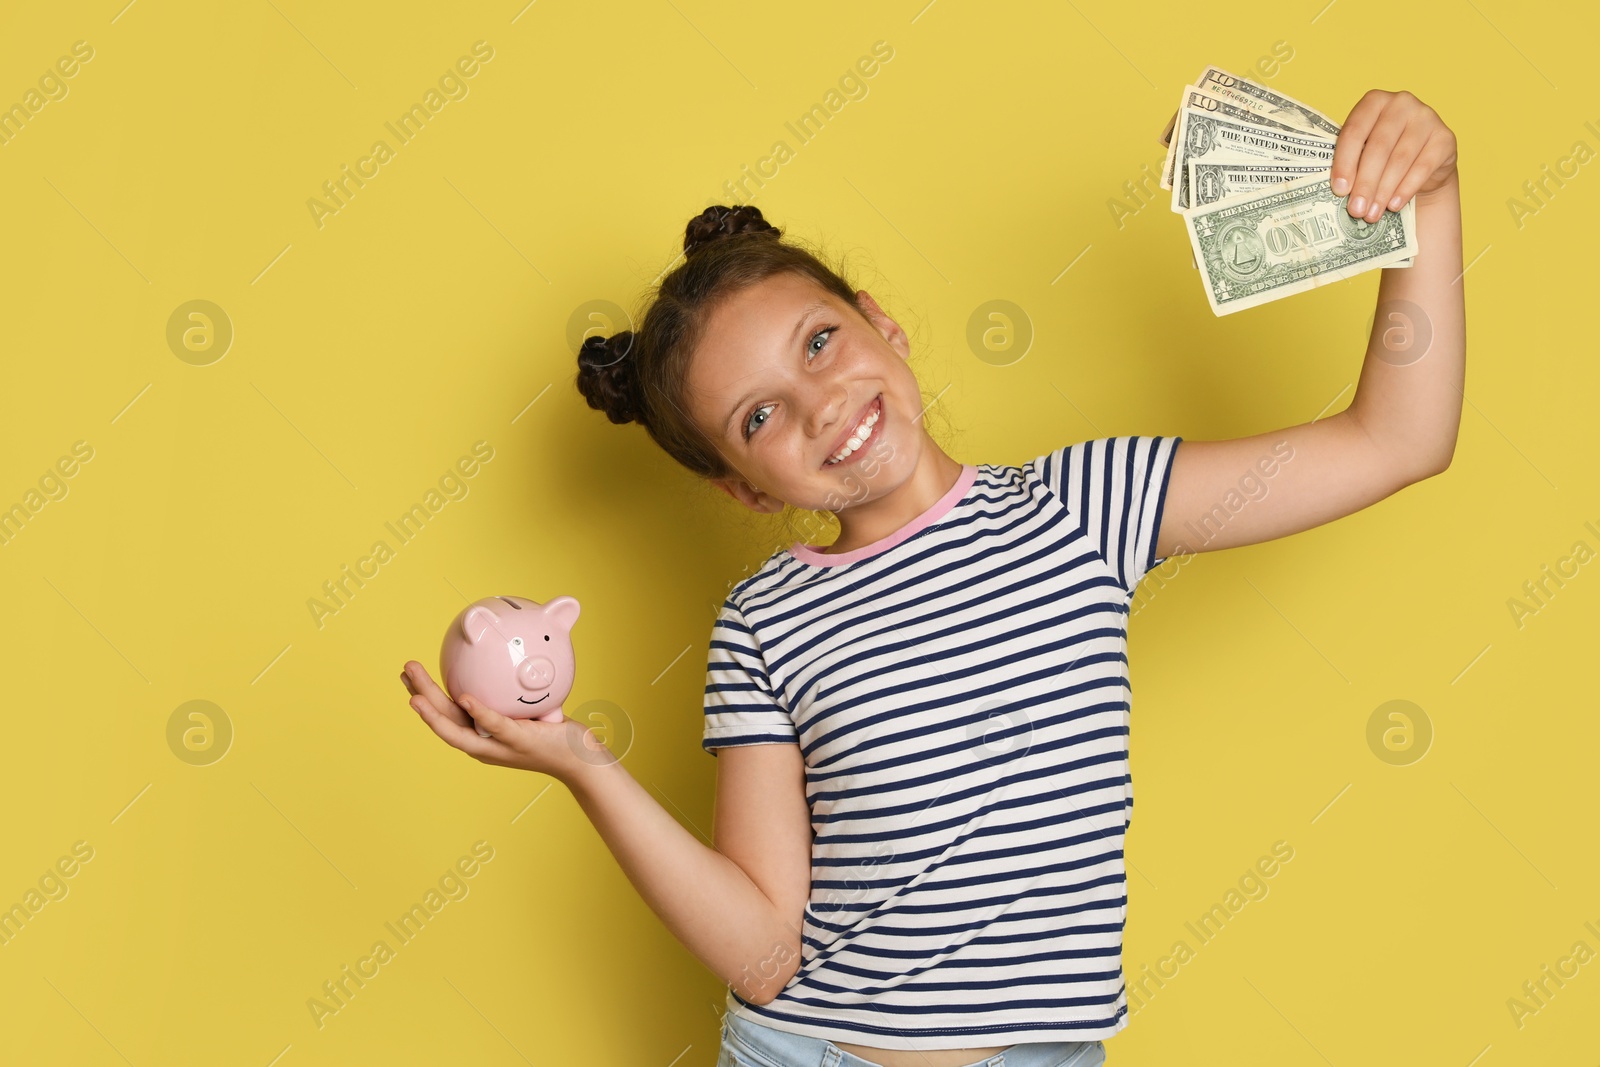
{"x": 863, "y": 524}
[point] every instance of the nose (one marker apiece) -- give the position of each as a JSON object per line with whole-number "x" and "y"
{"x": 828, "y": 408}
{"x": 536, "y": 672}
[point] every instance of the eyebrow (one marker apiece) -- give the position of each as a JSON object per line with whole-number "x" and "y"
{"x": 805, "y": 313}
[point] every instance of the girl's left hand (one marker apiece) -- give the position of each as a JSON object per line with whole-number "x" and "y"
{"x": 1391, "y": 148}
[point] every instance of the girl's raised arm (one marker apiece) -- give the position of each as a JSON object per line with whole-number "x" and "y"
{"x": 1401, "y": 426}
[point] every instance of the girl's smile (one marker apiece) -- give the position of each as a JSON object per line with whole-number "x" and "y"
{"x": 849, "y": 446}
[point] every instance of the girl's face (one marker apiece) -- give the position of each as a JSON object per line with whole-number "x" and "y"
{"x": 785, "y": 375}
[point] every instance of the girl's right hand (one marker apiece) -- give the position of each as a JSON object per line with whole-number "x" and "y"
{"x": 559, "y": 749}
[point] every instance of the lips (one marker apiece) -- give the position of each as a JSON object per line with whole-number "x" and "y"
{"x": 875, "y": 404}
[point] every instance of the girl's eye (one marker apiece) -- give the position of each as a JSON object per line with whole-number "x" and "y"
{"x": 751, "y": 425}
{"x": 809, "y": 350}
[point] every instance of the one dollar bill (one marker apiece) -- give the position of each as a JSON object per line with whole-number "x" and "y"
{"x": 1287, "y": 238}
{"x": 1203, "y": 135}
{"x": 1210, "y": 182}
{"x": 1202, "y": 101}
{"x": 1224, "y": 177}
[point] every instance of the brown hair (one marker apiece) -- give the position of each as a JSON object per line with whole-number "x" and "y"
{"x": 642, "y": 376}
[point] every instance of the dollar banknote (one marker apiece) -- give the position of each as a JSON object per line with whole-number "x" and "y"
{"x": 1216, "y": 105}
{"x": 1202, "y": 134}
{"x": 1267, "y": 103}
{"x": 1281, "y": 239}
{"x": 1223, "y": 176}
{"x": 1214, "y": 181}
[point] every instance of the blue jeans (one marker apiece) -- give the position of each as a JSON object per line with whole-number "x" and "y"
{"x": 746, "y": 1043}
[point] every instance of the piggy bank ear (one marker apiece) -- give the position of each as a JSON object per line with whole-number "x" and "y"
{"x": 563, "y": 610}
{"x": 476, "y": 623}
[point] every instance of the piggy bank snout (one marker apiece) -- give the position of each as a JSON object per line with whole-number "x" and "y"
{"x": 536, "y": 672}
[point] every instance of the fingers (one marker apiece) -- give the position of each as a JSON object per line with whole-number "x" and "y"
{"x": 449, "y": 720}
{"x": 1352, "y": 136}
{"x": 498, "y": 725}
{"x": 1374, "y": 157}
{"x": 437, "y": 699}
{"x": 1403, "y": 155}
{"x": 1432, "y": 153}
{"x": 465, "y": 738}
{"x": 1386, "y": 151}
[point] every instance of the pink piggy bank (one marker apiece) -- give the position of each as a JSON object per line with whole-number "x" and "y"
{"x": 513, "y": 654}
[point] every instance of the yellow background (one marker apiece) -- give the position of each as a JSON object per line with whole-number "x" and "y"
{"x": 432, "y": 312}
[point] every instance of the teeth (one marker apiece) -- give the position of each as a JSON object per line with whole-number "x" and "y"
{"x": 857, "y": 438}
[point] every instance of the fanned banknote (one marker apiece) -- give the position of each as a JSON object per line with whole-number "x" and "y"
{"x": 1266, "y": 243}
{"x": 1202, "y": 101}
{"x": 1203, "y": 134}
{"x": 1224, "y": 175}
{"x": 1267, "y": 103}
{"x": 1210, "y": 182}
{"x": 1249, "y": 171}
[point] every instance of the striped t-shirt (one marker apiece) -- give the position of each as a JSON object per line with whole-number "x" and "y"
{"x": 959, "y": 691}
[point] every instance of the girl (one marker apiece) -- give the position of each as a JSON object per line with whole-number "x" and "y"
{"x": 921, "y": 729}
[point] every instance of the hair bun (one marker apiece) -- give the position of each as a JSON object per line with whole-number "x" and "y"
{"x": 608, "y": 379}
{"x": 719, "y": 221}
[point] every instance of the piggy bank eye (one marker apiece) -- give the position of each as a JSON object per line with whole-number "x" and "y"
{"x": 547, "y": 637}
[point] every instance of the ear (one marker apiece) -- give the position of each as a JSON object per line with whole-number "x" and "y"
{"x": 888, "y": 327}
{"x": 476, "y": 623}
{"x": 564, "y": 610}
{"x": 748, "y": 495}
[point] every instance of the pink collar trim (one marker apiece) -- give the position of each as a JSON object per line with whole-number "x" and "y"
{"x": 813, "y": 555}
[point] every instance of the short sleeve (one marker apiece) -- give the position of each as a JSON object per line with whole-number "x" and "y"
{"x": 740, "y": 705}
{"x": 1117, "y": 487}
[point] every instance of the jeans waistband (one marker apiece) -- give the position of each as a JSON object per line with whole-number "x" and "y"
{"x": 780, "y": 1048}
